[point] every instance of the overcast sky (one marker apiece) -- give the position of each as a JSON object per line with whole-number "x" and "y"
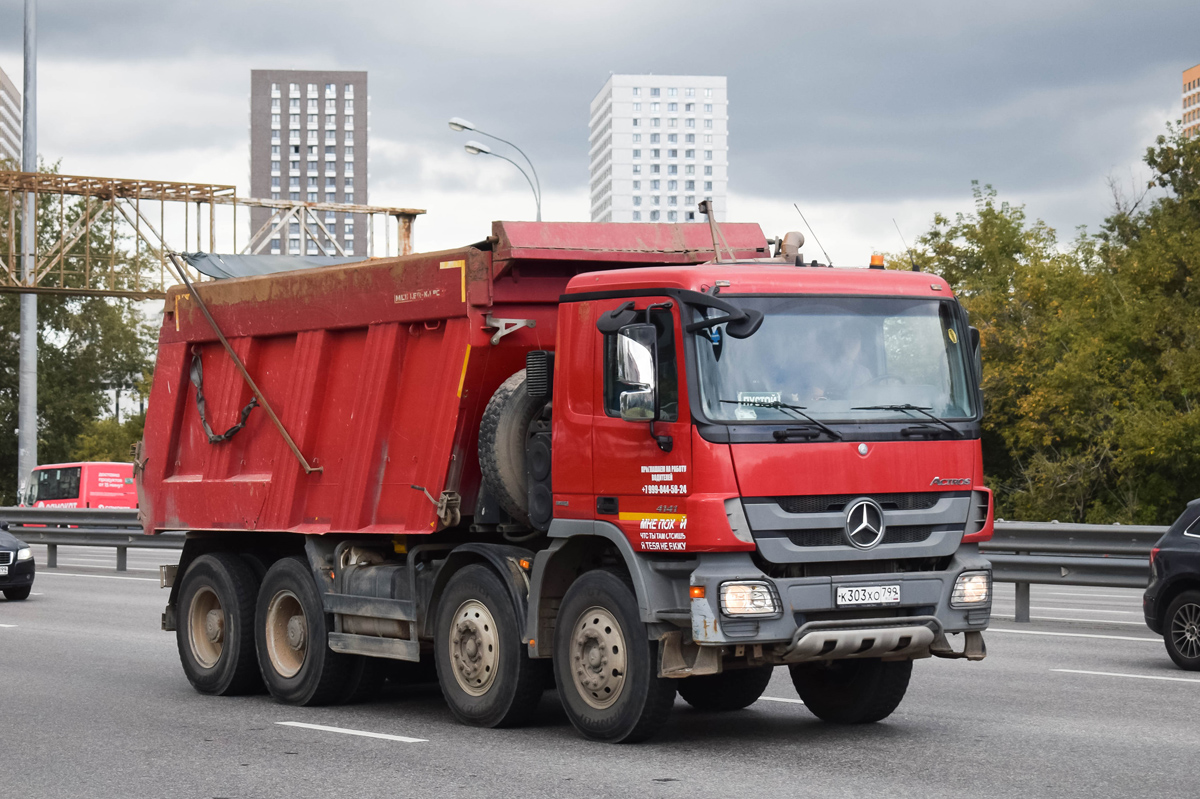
{"x": 860, "y": 112}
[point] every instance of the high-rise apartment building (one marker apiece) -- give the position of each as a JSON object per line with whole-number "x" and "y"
{"x": 308, "y": 143}
{"x": 10, "y": 122}
{"x": 1191, "y": 101}
{"x": 659, "y": 144}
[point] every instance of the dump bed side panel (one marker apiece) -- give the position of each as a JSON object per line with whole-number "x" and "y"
{"x": 369, "y": 388}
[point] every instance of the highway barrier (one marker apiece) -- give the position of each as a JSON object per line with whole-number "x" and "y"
{"x": 84, "y": 527}
{"x": 1050, "y": 553}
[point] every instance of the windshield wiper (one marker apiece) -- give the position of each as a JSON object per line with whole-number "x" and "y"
{"x": 797, "y": 410}
{"x": 908, "y": 406}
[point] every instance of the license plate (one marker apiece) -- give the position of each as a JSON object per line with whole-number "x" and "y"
{"x": 3, "y": 571}
{"x": 868, "y": 595}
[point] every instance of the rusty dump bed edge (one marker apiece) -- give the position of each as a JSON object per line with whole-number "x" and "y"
{"x": 379, "y": 371}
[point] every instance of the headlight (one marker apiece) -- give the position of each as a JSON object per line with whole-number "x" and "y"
{"x": 971, "y": 588}
{"x": 748, "y": 599}
{"x": 25, "y": 554}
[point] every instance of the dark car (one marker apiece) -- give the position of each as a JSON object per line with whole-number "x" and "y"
{"x": 1172, "y": 601}
{"x": 16, "y": 567}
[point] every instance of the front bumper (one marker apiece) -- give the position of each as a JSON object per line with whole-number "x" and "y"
{"x": 20, "y": 573}
{"x": 810, "y": 625}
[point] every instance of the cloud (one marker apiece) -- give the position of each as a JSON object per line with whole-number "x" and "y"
{"x": 869, "y": 109}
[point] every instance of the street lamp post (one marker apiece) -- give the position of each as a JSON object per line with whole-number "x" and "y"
{"x": 476, "y": 148}
{"x": 479, "y": 148}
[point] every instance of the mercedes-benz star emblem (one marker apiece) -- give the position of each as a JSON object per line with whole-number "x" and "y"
{"x": 864, "y": 523}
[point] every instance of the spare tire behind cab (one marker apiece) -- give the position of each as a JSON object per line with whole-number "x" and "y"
{"x": 502, "y": 445}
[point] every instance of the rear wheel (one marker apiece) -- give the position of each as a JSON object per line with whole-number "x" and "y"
{"x": 1181, "y": 633}
{"x": 291, "y": 632}
{"x": 17, "y": 594}
{"x": 605, "y": 664}
{"x": 854, "y": 691}
{"x": 215, "y": 635}
{"x": 484, "y": 670}
{"x": 729, "y": 690}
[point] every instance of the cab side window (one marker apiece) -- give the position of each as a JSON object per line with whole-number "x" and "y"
{"x": 668, "y": 372}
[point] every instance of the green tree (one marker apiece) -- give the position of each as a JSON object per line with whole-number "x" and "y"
{"x": 1090, "y": 349}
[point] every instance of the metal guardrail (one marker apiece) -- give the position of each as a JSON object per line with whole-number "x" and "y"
{"x": 1110, "y": 555}
{"x": 84, "y": 527}
{"x": 1024, "y": 553}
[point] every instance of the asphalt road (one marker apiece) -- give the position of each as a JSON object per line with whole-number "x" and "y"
{"x": 94, "y": 704}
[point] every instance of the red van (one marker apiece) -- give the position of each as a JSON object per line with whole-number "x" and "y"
{"x": 99, "y": 484}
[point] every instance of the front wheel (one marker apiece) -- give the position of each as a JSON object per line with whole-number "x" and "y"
{"x": 854, "y": 691}
{"x": 605, "y": 665}
{"x": 485, "y": 672}
{"x": 1181, "y": 633}
{"x": 17, "y": 594}
{"x": 729, "y": 690}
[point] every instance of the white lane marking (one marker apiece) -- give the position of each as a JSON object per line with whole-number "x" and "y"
{"x": 100, "y": 576}
{"x": 1008, "y": 617}
{"x": 1072, "y": 635}
{"x": 779, "y": 699}
{"x": 8, "y": 625}
{"x": 1130, "y": 676}
{"x": 344, "y": 731}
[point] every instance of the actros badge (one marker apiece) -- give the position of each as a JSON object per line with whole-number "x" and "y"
{"x": 864, "y": 523}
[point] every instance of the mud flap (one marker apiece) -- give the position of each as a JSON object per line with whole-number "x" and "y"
{"x": 679, "y": 659}
{"x": 973, "y": 646}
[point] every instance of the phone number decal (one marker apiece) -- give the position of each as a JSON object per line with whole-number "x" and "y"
{"x": 665, "y": 488}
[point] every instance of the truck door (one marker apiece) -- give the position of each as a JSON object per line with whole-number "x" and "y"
{"x": 640, "y": 486}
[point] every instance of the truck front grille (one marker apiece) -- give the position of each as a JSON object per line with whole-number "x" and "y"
{"x": 832, "y": 503}
{"x": 835, "y": 536}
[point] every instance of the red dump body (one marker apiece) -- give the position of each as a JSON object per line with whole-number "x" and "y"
{"x": 380, "y": 371}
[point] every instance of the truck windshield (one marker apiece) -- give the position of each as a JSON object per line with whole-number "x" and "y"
{"x": 834, "y": 357}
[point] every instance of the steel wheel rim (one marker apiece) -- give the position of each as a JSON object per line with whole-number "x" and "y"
{"x": 206, "y": 627}
{"x": 598, "y": 658}
{"x": 1185, "y": 630}
{"x": 474, "y": 648}
{"x": 287, "y": 633}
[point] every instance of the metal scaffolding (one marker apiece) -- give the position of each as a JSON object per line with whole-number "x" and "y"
{"x": 132, "y": 217}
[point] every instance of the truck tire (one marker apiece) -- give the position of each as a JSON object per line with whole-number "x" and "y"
{"x": 729, "y": 690}
{"x": 1181, "y": 630}
{"x": 291, "y": 632}
{"x": 605, "y": 664}
{"x": 215, "y": 633}
{"x": 502, "y": 445}
{"x": 485, "y": 672}
{"x": 17, "y": 594}
{"x": 853, "y": 691}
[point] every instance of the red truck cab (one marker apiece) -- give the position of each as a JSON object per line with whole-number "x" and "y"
{"x": 588, "y": 447}
{"x": 87, "y": 484}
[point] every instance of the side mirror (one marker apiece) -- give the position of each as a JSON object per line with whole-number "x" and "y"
{"x": 977, "y": 352}
{"x": 637, "y": 366}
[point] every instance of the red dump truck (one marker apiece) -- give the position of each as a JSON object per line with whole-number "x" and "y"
{"x": 594, "y": 450}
